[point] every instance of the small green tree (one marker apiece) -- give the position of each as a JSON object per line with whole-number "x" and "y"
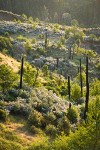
{"x": 7, "y": 77}
{"x": 75, "y": 92}
{"x": 29, "y": 74}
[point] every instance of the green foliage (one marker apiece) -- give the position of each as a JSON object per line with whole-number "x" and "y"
{"x": 74, "y": 22}
{"x": 5, "y": 43}
{"x": 33, "y": 41}
{"x": 77, "y": 79}
{"x": 35, "y": 118}
{"x": 21, "y": 38}
{"x": 45, "y": 70}
{"x": 29, "y": 75}
{"x": 35, "y": 130}
{"x": 28, "y": 46}
{"x": 6, "y": 34}
{"x": 93, "y": 37}
{"x": 3, "y": 115}
{"x": 95, "y": 87}
{"x": 63, "y": 125}
{"x": 73, "y": 115}
{"x": 75, "y": 92}
{"x": 87, "y": 136}
{"x": 62, "y": 40}
{"x": 7, "y": 77}
{"x": 51, "y": 130}
{"x": 30, "y": 20}
{"x": 8, "y": 145}
{"x": 40, "y": 145}
{"x": 24, "y": 16}
{"x": 67, "y": 33}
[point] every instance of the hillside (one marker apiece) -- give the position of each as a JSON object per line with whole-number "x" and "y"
{"x": 86, "y": 12}
{"x": 49, "y": 85}
{"x": 4, "y": 59}
{"x": 9, "y": 16}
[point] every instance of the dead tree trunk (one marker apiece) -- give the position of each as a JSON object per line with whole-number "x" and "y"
{"x": 57, "y": 63}
{"x": 69, "y": 87}
{"x": 46, "y": 39}
{"x": 21, "y": 72}
{"x": 87, "y": 91}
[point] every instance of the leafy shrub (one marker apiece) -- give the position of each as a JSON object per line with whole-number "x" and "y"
{"x": 40, "y": 145}
{"x": 95, "y": 87}
{"x": 28, "y": 46}
{"x": 7, "y": 77}
{"x": 21, "y": 38}
{"x": 5, "y": 43}
{"x": 63, "y": 125}
{"x": 75, "y": 92}
{"x": 35, "y": 130}
{"x": 72, "y": 115}
{"x": 50, "y": 118}
{"x": 33, "y": 41}
{"x": 3, "y": 115}
{"x": 20, "y": 107}
{"x": 35, "y": 118}
{"x": 51, "y": 130}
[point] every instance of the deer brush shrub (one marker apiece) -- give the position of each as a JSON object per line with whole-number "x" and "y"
{"x": 73, "y": 115}
{"x": 51, "y": 130}
{"x": 3, "y": 115}
{"x": 35, "y": 118}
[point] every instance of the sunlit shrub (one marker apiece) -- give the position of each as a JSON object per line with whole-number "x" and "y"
{"x": 35, "y": 118}
{"x": 51, "y": 130}
{"x": 73, "y": 115}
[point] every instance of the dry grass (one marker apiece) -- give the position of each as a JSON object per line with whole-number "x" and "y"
{"x": 4, "y": 59}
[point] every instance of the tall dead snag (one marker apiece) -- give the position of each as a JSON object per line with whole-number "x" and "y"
{"x": 70, "y": 52}
{"x": 57, "y": 63}
{"x": 21, "y": 72}
{"x": 69, "y": 87}
{"x": 46, "y": 39}
{"x": 87, "y": 91}
{"x": 81, "y": 81}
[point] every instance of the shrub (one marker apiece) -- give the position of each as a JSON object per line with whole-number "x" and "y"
{"x": 7, "y": 77}
{"x": 75, "y": 92}
{"x": 35, "y": 118}
{"x": 72, "y": 115}
{"x": 63, "y": 125}
{"x": 33, "y": 41}
{"x": 40, "y": 145}
{"x": 28, "y": 46}
{"x": 50, "y": 118}
{"x": 3, "y": 115}
{"x": 35, "y": 130}
{"x": 5, "y": 43}
{"x": 51, "y": 130}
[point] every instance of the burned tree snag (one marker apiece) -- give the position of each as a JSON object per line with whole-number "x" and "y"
{"x": 21, "y": 72}
{"x": 69, "y": 87}
{"x": 46, "y": 39}
{"x": 57, "y": 63}
{"x": 87, "y": 91}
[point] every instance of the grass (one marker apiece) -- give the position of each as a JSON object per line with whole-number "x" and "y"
{"x": 4, "y": 59}
{"x": 14, "y": 134}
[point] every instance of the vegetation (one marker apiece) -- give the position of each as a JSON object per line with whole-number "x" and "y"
{"x": 49, "y": 82}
